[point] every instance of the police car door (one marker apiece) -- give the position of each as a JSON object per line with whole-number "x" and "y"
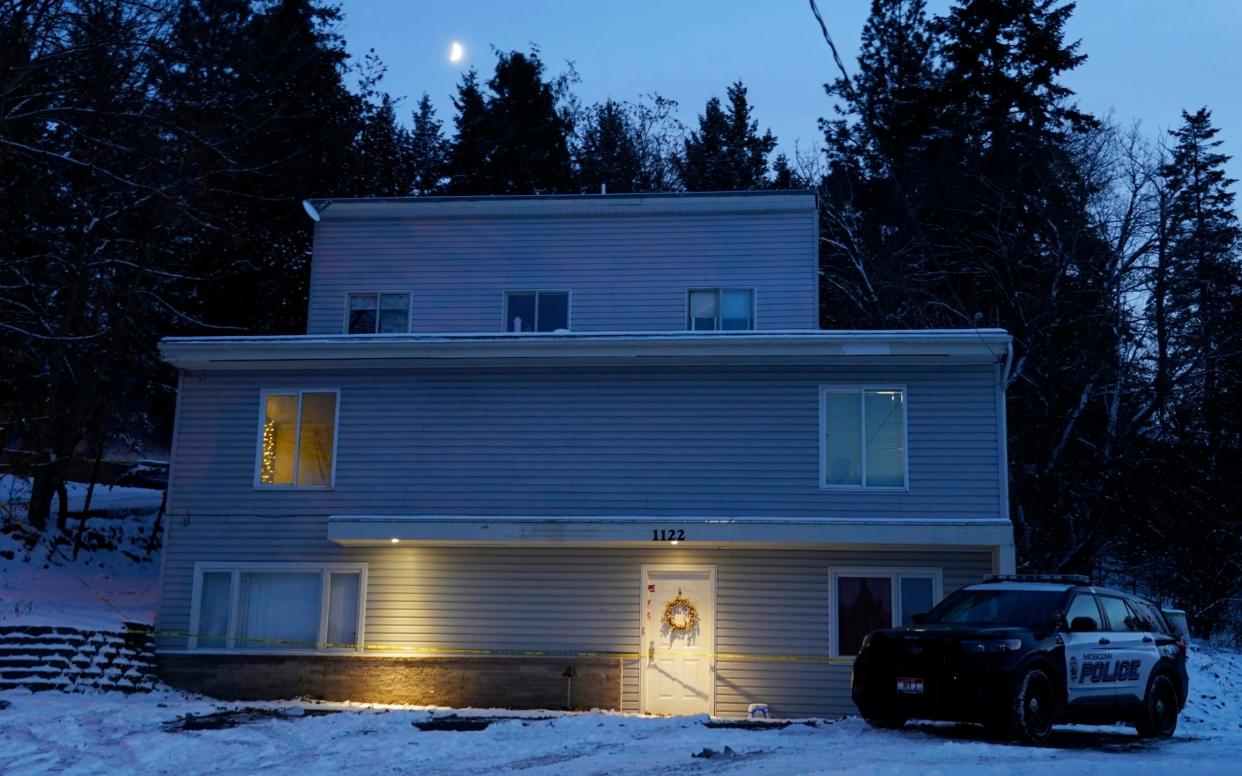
{"x": 1133, "y": 648}
{"x": 1086, "y": 651}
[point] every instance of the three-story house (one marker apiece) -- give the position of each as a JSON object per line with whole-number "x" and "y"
{"x": 571, "y": 450}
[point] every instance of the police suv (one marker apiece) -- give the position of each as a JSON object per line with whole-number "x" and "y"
{"x": 1022, "y": 653}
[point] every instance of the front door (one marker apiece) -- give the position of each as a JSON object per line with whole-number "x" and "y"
{"x": 678, "y": 639}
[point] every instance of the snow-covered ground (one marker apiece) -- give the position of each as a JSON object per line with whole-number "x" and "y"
{"x": 101, "y": 588}
{"x": 105, "y": 733}
{"x": 113, "y": 733}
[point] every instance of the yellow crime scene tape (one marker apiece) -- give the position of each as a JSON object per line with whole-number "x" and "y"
{"x": 467, "y": 652}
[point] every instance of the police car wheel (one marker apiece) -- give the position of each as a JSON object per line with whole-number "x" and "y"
{"x": 1034, "y": 707}
{"x": 1158, "y": 719}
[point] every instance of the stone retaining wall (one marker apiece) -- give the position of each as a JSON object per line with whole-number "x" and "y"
{"x": 40, "y": 658}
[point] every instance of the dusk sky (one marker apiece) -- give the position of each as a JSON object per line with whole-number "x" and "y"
{"x": 1147, "y": 59}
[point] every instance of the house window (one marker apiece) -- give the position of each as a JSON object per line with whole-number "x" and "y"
{"x": 297, "y": 439}
{"x": 871, "y": 599}
{"x": 278, "y": 607}
{"x": 721, "y": 309}
{"x": 379, "y": 313}
{"x": 862, "y": 437}
{"x": 527, "y": 311}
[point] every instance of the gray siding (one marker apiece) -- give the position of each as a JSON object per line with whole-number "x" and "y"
{"x": 769, "y": 603}
{"x": 626, "y": 441}
{"x": 625, "y": 271}
{"x": 576, "y": 442}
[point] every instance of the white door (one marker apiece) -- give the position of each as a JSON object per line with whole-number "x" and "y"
{"x": 678, "y": 639}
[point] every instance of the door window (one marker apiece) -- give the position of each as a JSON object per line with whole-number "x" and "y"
{"x": 1083, "y": 606}
{"x": 1119, "y": 615}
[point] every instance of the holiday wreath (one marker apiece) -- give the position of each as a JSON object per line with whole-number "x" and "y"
{"x": 680, "y": 616}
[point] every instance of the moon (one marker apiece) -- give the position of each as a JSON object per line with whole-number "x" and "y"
{"x": 456, "y": 52}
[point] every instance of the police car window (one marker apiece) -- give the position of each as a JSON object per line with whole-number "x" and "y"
{"x": 1159, "y": 625}
{"x": 1118, "y": 614}
{"x": 1083, "y": 606}
{"x": 1027, "y": 608}
{"x": 1142, "y": 617}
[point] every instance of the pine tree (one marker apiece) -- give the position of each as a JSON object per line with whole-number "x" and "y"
{"x": 514, "y": 139}
{"x": 267, "y": 121}
{"x": 608, "y": 152}
{"x": 726, "y": 152}
{"x": 383, "y": 155}
{"x": 428, "y": 148}
{"x": 470, "y": 155}
{"x": 895, "y": 89}
{"x": 1204, "y": 286}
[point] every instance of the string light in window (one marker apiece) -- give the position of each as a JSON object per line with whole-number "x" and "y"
{"x": 267, "y": 469}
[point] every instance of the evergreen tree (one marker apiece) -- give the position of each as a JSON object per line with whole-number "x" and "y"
{"x": 514, "y": 139}
{"x": 383, "y": 154}
{"x": 608, "y": 151}
{"x": 267, "y": 121}
{"x": 428, "y": 148}
{"x": 726, "y": 152}
{"x": 893, "y": 96}
{"x": 471, "y": 150}
{"x": 1204, "y": 286}
{"x": 956, "y": 198}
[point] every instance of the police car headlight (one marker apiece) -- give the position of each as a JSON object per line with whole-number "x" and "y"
{"x": 991, "y": 646}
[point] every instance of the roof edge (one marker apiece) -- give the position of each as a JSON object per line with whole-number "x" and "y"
{"x": 364, "y": 350}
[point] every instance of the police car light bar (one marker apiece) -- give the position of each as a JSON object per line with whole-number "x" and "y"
{"x": 1060, "y": 579}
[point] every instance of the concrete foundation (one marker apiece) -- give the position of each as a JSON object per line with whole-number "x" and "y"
{"x": 512, "y": 683}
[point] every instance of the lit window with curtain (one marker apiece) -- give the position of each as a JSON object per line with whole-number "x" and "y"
{"x": 862, "y": 437}
{"x": 297, "y": 441}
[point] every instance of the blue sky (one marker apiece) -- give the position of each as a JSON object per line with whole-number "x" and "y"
{"x": 1148, "y": 59}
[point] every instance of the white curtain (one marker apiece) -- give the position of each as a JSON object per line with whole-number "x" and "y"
{"x": 843, "y": 443}
{"x": 278, "y": 610}
{"x": 315, "y": 447}
{"x": 343, "y": 609}
{"x": 213, "y": 609}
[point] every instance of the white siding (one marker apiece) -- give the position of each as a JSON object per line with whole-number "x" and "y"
{"x": 625, "y": 271}
{"x": 769, "y": 603}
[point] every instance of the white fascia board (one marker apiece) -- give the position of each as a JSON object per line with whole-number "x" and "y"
{"x": 352, "y": 530}
{"x": 807, "y": 346}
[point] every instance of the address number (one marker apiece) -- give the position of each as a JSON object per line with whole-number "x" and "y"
{"x": 668, "y": 535}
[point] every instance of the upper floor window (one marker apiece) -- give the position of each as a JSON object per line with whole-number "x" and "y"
{"x": 862, "y": 437}
{"x": 379, "y": 313}
{"x": 721, "y": 309}
{"x": 297, "y": 439}
{"x": 536, "y": 311}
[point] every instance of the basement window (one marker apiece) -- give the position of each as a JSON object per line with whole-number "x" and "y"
{"x": 278, "y": 607}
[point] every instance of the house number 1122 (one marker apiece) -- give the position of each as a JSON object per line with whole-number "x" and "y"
{"x": 668, "y": 535}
